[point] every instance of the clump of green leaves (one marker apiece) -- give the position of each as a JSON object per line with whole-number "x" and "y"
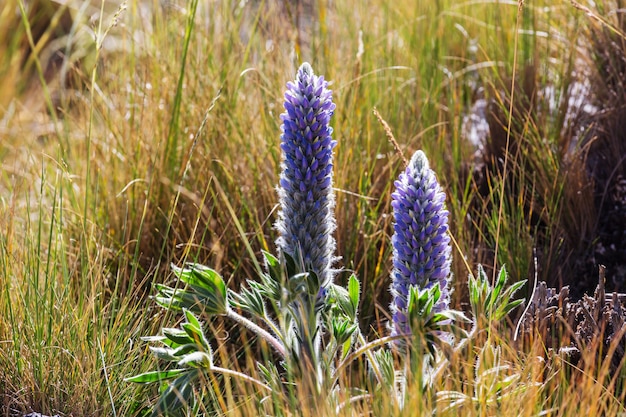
{"x": 270, "y": 307}
{"x": 434, "y": 326}
{"x": 491, "y": 303}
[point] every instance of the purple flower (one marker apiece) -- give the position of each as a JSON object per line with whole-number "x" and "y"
{"x": 306, "y": 220}
{"x": 421, "y": 245}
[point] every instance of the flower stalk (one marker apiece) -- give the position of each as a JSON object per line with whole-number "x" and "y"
{"x": 306, "y": 219}
{"x": 264, "y": 334}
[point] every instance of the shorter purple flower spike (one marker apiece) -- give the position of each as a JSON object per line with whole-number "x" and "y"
{"x": 421, "y": 245}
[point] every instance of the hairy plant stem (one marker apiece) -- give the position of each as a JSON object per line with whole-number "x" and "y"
{"x": 273, "y": 326}
{"x": 242, "y": 376}
{"x": 275, "y": 343}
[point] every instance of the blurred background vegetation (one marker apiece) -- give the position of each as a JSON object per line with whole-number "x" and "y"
{"x": 136, "y": 134}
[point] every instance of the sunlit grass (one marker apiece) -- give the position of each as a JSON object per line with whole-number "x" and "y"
{"x": 167, "y": 150}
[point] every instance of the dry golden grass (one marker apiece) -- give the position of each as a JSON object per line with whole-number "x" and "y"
{"x": 127, "y": 153}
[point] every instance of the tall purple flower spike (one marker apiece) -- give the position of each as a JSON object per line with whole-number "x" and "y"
{"x": 421, "y": 245}
{"x": 306, "y": 220}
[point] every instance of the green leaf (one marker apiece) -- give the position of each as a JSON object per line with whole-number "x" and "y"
{"x": 271, "y": 261}
{"x": 178, "y": 394}
{"x": 502, "y": 278}
{"x": 193, "y": 328}
{"x": 209, "y": 278}
{"x": 250, "y": 299}
{"x": 511, "y": 306}
{"x": 342, "y": 330}
{"x": 270, "y": 287}
{"x": 166, "y": 354}
{"x": 177, "y": 336}
{"x": 313, "y": 283}
{"x": 515, "y": 287}
{"x": 340, "y": 297}
{"x": 385, "y": 363}
{"x": 161, "y": 339}
{"x": 347, "y": 346}
{"x": 290, "y": 265}
{"x": 492, "y": 303}
{"x": 182, "y": 299}
{"x": 192, "y": 331}
{"x": 164, "y": 290}
{"x": 203, "y": 343}
{"x": 493, "y": 299}
{"x": 474, "y": 291}
{"x": 457, "y": 316}
{"x": 184, "y": 350}
{"x": 354, "y": 290}
{"x": 435, "y": 292}
{"x": 271, "y": 375}
{"x": 192, "y": 320}
{"x": 155, "y": 376}
{"x": 209, "y": 288}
